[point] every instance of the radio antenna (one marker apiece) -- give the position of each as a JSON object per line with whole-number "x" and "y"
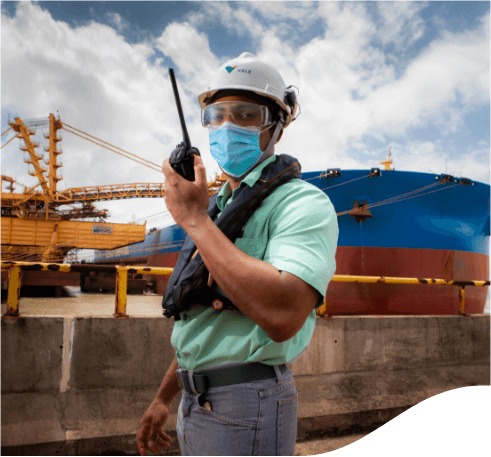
{"x": 187, "y": 141}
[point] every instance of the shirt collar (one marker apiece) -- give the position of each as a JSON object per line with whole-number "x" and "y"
{"x": 250, "y": 180}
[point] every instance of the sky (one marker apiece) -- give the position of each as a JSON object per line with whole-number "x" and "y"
{"x": 410, "y": 76}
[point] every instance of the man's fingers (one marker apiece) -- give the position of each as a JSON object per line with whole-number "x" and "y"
{"x": 165, "y": 436}
{"x": 140, "y": 438}
{"x": 163, "y": 443}
{"x": 140, "y": 444}
{"x": 153, "y": 447}
{"x": 157, "y": 440}
{"x": 154, "y": 434}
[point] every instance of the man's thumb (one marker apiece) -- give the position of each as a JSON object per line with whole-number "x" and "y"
{"x": 199, "y": 171}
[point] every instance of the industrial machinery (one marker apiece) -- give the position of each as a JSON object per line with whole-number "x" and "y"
{"x": 35, "y": 228}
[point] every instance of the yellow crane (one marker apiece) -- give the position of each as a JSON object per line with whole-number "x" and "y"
{"x": 34, "y": 227}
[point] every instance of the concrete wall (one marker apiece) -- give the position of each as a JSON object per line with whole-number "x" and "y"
{"x": 80, "y": 385}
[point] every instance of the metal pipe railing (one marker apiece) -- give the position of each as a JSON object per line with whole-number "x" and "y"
{"x": 15, "y": 273}
{"x": 15, "y": 280}
{"x": 419, "y": 281}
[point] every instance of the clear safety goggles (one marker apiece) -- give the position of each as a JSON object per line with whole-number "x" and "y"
{"x": 243, "y": 114}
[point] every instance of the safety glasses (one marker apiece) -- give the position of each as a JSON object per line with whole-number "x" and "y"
{"x": 243, "y": 114}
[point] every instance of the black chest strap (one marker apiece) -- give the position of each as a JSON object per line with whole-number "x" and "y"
{"x": 188, "y": 283}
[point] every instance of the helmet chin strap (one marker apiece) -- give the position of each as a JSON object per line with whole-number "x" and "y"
{"x": 276, "y": 133}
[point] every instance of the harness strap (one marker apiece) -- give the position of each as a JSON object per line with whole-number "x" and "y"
{"x": 188, "y": 283}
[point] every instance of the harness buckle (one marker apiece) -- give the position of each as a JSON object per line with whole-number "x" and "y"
{"x": 185, "y": 380}
{"x": 180, "y": 381}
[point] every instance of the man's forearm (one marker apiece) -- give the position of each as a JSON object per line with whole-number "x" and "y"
{"x": 278, "y": 302}
{"x": 169, "y": 387}
{"x": 256, "y": 287}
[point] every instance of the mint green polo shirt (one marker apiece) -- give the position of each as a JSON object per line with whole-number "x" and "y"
{"x": 295, "y": 229}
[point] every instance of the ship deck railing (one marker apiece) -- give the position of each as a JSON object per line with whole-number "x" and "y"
{"x": 121, "y": 284}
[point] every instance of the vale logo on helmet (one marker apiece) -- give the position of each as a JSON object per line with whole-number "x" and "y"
{"x": 239, "y": 70}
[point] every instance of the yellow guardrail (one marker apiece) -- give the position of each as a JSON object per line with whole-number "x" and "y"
{"x": 15, "y": 279}
{"x": 16, "y": 268}
{"x": 394, "y": 280}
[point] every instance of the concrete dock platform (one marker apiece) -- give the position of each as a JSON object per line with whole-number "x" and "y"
{"x": 78, "y": 385}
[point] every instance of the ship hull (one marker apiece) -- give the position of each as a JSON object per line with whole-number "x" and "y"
{"x": 392, "y": 299}
{"x": 415, "y": 225}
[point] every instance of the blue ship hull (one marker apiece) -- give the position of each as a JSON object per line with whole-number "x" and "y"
{"x": 416, "y": 225}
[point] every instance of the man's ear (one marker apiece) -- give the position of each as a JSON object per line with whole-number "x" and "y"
{"x": 279, "y": 136}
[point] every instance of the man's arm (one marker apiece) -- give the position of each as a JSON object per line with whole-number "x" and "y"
{"x": 150, "y": 434}
{"x": 278, "y": 302}
{"x": 169, "y": 387}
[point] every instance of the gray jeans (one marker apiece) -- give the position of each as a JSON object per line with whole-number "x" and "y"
{"x": 258, "y": 418}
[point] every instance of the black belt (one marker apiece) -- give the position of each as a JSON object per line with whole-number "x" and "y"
{"x": 227, "y": 376}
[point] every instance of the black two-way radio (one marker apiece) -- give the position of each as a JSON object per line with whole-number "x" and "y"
{"x": 182, "y": 158}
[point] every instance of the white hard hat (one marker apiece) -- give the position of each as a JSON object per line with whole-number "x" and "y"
{"x": 247, "y": 73}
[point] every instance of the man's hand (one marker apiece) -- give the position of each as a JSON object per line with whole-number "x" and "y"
{"x": 186, "y": 201}
{"x": 150, "y": 434}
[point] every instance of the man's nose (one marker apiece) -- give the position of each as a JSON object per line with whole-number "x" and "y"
{"x": 228, "y": 118}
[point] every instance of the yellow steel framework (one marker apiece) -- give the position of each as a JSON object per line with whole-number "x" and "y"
{"x": 32, "y": 219}
{"x": 33, "y": 226}
{"x": 46, "y": 199}
{"x": 15, "y": 273}
{"x": 77, "y": 234}
{"x": 110, "y": 192}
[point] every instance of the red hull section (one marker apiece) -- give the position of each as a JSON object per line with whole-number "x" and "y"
{"x": 162, "y": 260}
{"x": 392, "y": 299}
{"x": 389, "y": 299}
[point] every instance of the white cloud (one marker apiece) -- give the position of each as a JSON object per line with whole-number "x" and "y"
{"x": 401, "y": 23}
{"x": 191, "y": 53}
{"x": 455, "y": 66}
{"x": 286, "y": 11}
{"x": 118, "y": 22}
{"x": 349, "y": 87}
{"x": 94, "y": 87}
{"x": 428, "y": 156}
{"x": 291, "y": 19}
{"x": 235, "y": 20}
{"x": 99, "y": 84}
{"x": 350, "y": 90}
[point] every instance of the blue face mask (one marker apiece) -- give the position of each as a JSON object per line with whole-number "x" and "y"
{"x": 235, "y": 149}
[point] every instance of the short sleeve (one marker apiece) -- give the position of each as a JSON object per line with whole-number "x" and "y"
{"x": 303, "y": 235}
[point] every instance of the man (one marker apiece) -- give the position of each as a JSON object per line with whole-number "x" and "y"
{"x": 239, "y": 398}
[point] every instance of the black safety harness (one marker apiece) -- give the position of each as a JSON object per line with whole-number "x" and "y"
{"x": 188, "y": 283}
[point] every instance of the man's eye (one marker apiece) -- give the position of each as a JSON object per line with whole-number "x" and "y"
{"x": 248, "y": 115}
